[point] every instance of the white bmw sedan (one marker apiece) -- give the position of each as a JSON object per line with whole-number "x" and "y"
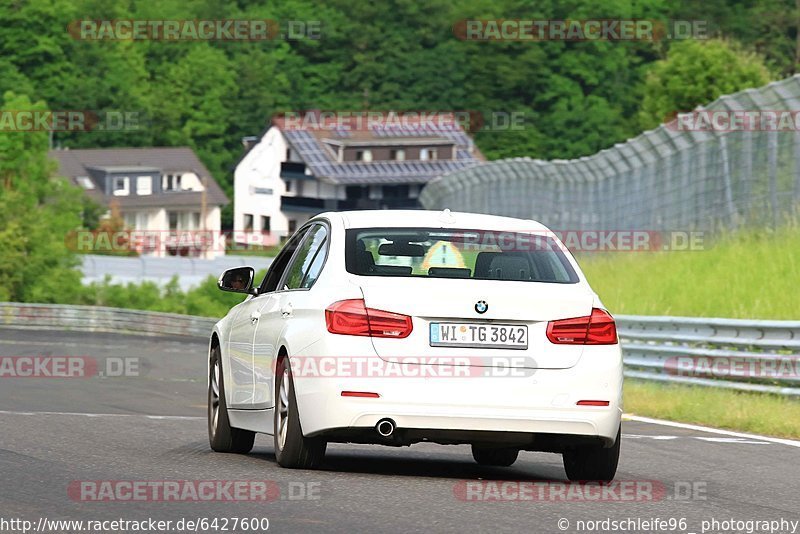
{"x": 399, "y": 327}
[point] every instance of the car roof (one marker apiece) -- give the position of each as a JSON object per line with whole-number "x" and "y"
{"x": 432, "y": 219}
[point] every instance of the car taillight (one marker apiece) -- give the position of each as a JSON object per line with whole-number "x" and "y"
{"x": 595, "y": 329}
{"x": 353, "y": 318}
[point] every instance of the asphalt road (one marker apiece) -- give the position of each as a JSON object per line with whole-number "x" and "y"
{"x": 151, "y": 428}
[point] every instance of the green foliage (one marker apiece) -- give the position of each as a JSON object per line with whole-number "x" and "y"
{"x": 696, "y": 73}
{"x": 576, "y": 97}
{"x": 205, "y": 300}
{"x": 36, "y": 214}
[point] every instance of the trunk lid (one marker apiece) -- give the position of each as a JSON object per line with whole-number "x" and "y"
{"x": 453, "y": 301}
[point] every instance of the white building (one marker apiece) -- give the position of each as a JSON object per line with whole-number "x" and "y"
{"x": 292, "y": 172}
{"x": 168, "y": 200}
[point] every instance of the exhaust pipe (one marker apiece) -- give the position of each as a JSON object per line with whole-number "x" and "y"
{"x": 385, "y": 427}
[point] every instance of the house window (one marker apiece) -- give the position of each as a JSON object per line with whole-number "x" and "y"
{"x": 398, "y": 154}
{"x": 121, "y": 186}
{"x": 354, "y": 192}
{"x": 248, "y": 222}
{"x": 85, "y": 182}
{"x": 171, "y": 182}
{"x": 292, "y": 226}
{"x": 137, "y": 221}
{"x": 288, "y": 185}
{"x": 184, "y": 220}
{"x": 265, "y": 224}
{"x": 144, "y": 185}
{"x": 364, "y": 155}
{"x": 428, "y": 154}
{"x": 395, "y": 191}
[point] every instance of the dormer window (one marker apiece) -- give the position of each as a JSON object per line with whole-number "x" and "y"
{"x": 428, "y": 154}
{"x": 364, "y": 155}
{"x": 171, "y": 182}
{"x": 397, "y": 154}
{"x": 144, "y": 185}
{"x": 85, "y": 182}
{"x": 121, "y": 186}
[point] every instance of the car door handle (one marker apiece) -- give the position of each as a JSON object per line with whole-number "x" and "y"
{"x": 286, "y": 310}
{"x": 255, "y": 316}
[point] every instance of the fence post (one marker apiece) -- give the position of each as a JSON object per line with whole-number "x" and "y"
{"x": 726, "y": 175}
{"x": 772, "y": 163}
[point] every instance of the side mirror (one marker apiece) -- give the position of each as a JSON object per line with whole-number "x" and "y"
{"x": 237, "y": 280}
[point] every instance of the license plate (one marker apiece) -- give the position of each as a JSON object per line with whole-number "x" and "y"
{"x": 502, "y": 336}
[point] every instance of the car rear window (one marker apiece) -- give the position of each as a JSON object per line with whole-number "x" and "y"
{"x": 451, "y": 253}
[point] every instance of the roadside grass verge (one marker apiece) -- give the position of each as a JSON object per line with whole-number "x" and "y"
{"x": 758, "y": 413}
{"x": 749, "y": 275}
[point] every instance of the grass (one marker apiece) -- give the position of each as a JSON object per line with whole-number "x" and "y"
{"x": 749, "y": 275}
{"x": 743, "y": 411}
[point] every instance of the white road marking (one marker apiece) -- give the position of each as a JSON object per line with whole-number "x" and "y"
{"x": 154, "y": 417}
{"x": 698, "y": 428}
{"x": 62, "y": 344}
{"x": 715, "y": 440}
{"x": 642, "y": 436}
{"x": 733, "y": 440}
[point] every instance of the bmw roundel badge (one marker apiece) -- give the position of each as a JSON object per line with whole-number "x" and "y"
{"x": 481, "y": 306}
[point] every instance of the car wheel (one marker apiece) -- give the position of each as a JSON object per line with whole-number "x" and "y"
{"x": 292, "y": 449}
{"x": 593, "y": 463}
{"x": 500, "y": 457}
{"x": 221, "y": 436}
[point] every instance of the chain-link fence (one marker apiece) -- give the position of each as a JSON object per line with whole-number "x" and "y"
{"x": 678, "y": 176}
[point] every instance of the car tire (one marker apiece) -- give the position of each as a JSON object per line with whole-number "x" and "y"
{"x": 292, "y": 449}
{"x": 221, "y": 436}
{"x": 593, "y": 463}
{"x": 494, "y": 456}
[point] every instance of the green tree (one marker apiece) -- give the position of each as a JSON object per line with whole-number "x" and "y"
{"x": 37, "y": 212}
{"x": 696, "y": 73}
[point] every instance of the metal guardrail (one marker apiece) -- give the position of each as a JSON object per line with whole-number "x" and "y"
{"x": 102, "y": 319}
{"x": 191, "y": 272}
{"x": 739, "y": 354}
{"x": 747, "y": 355}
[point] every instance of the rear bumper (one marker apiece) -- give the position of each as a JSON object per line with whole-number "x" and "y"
{"x": 544, "y": 402}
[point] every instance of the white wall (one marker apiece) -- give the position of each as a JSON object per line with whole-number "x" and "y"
{"x": 158, "y": 228}
{"x": 260, "y": 170}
